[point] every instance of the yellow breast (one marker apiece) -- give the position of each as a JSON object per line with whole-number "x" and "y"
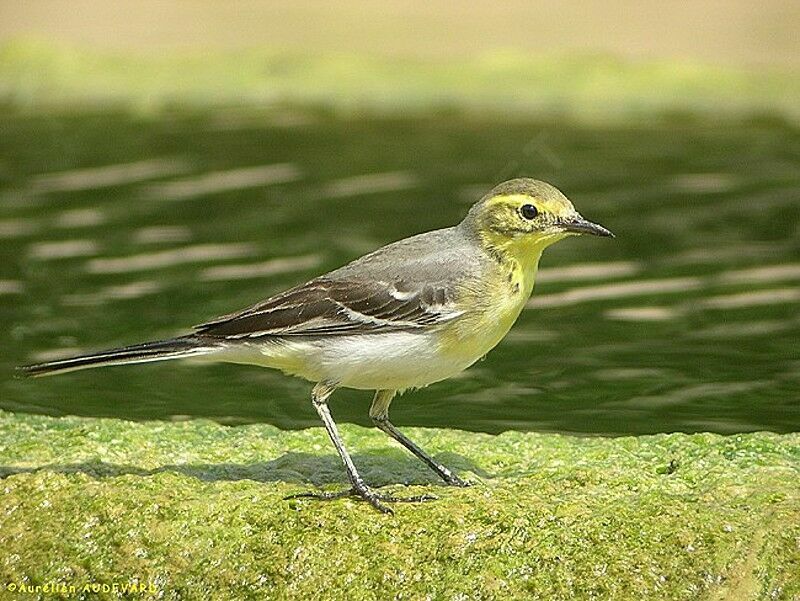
{"x": 490, "y": 307}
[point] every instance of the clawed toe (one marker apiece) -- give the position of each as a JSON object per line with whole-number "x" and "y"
{"x": 364, "y": 493}
{"x": 322, "y": 496}
{"x": 456, "y": 481}
{"x": 414, "y": 499}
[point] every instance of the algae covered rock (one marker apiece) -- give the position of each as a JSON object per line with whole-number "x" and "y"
{"x": 102, "y": 508}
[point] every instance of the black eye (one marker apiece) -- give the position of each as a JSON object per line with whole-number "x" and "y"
{"x": 528, "y": 211}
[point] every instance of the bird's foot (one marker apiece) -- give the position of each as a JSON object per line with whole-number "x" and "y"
{"x": 453, "y": 480}
{"x": 363, "y": 492}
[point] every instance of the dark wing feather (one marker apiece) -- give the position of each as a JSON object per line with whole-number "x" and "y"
{"x": 330, "y": 307}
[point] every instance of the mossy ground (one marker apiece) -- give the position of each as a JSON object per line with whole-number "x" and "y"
{"x": 196, "y": 510}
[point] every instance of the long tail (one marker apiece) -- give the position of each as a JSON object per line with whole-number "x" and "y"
{"x": 159, "y": 350}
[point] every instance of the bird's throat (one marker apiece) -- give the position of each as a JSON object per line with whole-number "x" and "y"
{"x": 518, "y": 258}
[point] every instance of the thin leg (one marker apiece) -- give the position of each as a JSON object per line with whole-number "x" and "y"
{"x": 319, "y": 397}
{"x": 379, "y": 412}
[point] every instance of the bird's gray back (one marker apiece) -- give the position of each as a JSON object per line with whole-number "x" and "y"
{"x": 440, "y": 256}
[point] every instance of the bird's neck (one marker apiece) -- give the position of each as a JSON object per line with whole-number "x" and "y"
{"x": 517, "y": 269}
{"x": 517, "y": 257}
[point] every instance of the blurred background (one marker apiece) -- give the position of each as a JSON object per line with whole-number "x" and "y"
{"x": 163, "y": 163}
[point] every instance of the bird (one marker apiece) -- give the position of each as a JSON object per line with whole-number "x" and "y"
{"x": 407, "y": 315}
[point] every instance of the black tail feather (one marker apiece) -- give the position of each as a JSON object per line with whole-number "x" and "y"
{"x": 159, "y": 350}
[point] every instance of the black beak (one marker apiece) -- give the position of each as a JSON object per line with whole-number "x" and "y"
{"x": 579, "y": 225}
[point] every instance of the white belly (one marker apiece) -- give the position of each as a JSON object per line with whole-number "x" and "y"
{"x": 397, "y": 360}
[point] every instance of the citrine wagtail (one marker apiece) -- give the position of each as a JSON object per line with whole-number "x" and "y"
{"x": 407, "y": 315}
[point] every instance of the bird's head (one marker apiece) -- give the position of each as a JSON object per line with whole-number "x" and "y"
{"x": 524, "y": 216}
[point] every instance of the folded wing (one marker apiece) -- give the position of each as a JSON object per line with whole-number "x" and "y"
{"x": 326, "y": 307}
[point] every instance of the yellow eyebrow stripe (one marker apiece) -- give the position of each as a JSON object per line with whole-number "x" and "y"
{"x": 553, "y": 207}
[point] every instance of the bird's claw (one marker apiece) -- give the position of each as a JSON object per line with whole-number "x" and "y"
{"x": 453, "y": 480}
{"x": 364, "y": 493}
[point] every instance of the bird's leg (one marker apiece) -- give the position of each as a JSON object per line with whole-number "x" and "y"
{"x": 319, "y": 397}
{"x": 379, "y": 412}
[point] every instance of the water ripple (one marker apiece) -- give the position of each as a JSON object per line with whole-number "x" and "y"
{"x": 729, "y": 252}
{"x": 703, "y": 183}
{"x": 260, "y": 270}
{"x": 80, "y": 218}
{"x": 199, "y": 253}
{"x": 371, "y": 183}
{"x": 611, "y": 291}
{"x": 11, "y": 287}
{"x": 18, "y": 228}
{"x": 752, "y": 299}
{"x": 162, "y": 233}
{"x": 124, "y": 291}
{"x": 748, "y": 329}
{"x": 224, "y": 181}
{"x": 742, "y": 300}
{"x": 108, "y": 175}
{"x": 647, "y": 313}
{"x": 588, "y": 271}
{"x": 63, "y": 249}
{"x": 691, "y": 393}
{"x": 769, "y": 273}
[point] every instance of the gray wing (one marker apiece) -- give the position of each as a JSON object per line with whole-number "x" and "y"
{"x": 329, "y": 307}
{"x": 405, "y": 286}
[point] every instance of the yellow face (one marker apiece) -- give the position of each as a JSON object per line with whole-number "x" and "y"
{"x": 520, "y": 214}
{"x": 524, "y": 216}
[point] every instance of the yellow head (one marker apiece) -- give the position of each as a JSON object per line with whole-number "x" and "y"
{"x": 521, "y": 217}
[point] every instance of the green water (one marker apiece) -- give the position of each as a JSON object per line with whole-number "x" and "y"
{"x": 687, "y": 321}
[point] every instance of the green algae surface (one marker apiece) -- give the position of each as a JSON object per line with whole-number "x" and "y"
{"x": 195, "y": 510}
